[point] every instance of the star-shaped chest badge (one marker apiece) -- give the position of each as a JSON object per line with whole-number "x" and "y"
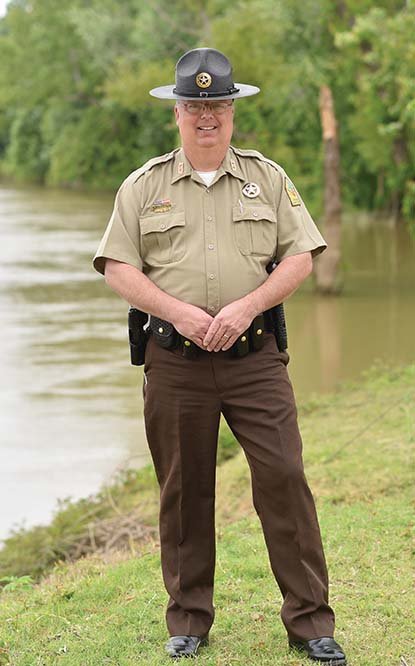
{"x": 251, "y": 190}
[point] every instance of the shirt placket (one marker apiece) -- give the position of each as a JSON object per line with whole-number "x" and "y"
{"x": 211, "y": 251}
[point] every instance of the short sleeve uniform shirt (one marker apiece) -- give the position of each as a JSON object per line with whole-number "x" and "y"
{"x": 208, "y": 246}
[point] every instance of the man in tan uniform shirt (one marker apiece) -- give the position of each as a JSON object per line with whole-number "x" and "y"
{"x": 189, "y": 240}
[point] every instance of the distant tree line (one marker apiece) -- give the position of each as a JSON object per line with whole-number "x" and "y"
{"x": 74, "y": 79}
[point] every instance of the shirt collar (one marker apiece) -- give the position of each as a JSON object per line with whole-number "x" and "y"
{"x": 230, "y": 164}
{"x": 183, "y": 168}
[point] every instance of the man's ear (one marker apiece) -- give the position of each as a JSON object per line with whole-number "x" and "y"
{"x": 176, "y": 113}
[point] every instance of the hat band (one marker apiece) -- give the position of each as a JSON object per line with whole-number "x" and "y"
{"x": 229, "y": 91}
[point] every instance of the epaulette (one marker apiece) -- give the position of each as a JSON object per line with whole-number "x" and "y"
{"x": 160, "y": 159}
{"x": 255, "y": 153}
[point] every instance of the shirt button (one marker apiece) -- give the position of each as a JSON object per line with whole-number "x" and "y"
{"x": 207, "y": 191}
{"x": 210, "y": 218}
{"x": 255, "y": 214}
{"x": 211, "y": 308}
{"x": 211, "y": 276}
{"x": 210, "y": 246}
{"x": 162, "y": 226}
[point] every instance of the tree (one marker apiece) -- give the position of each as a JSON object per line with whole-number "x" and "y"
{"x": 380, "y": 50}
{"x": 326, "y": 270}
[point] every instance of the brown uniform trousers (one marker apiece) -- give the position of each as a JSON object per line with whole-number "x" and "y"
{"x": 183, "y": 400}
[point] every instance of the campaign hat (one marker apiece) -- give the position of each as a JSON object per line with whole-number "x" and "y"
{"x": 204, "y": 73}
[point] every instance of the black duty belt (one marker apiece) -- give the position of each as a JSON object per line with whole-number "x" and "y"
{"x": 140, "y": 328}
{"x": 251, "y": 340}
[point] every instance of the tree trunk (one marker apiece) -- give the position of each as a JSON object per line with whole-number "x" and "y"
{"x": 326, "y": 269}
{"x": 400, "y": 157}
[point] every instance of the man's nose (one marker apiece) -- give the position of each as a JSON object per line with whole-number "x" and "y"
{"x": 206, "y": 111}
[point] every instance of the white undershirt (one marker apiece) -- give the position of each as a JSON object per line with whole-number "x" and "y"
{"x": 207, "y": 176}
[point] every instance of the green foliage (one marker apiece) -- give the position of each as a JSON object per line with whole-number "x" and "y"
{"x": 34, "y": 551}
{"x": 408, "y": 205}
{"x": 25, "y": 158}
{"x": 13, "y": 583}
{"x": 74, "y": 81}
{"x": 379, "y": 50}
{"x": 99, "y": 147}
{"x": 5, "y": 126}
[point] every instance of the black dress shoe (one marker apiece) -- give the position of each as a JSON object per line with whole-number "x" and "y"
{"x": 325, "y": 650}
{"x": 185, "y": 646}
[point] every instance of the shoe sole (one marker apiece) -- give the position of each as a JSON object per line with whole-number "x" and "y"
{"x": 330, "y": 662}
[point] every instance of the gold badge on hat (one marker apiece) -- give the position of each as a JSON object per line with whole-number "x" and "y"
{"x": 203, "y": 80}
{"x": 292, "y": 193}
{"x": 251, "y": 190}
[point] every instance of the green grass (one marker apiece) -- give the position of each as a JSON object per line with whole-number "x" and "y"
{"x": 359, "y": 452}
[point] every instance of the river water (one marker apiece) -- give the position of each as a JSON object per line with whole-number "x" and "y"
{"x": 70, "y": 402}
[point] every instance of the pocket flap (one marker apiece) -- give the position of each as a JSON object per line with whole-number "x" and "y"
{"x": 161, "y": 222}
{"x": 254, "y": 213}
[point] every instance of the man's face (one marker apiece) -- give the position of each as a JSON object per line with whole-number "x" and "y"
{"x": 205, "y": 125}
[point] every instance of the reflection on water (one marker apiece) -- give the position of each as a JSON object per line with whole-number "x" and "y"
{"x": 326, "y": 315}
{"x": 334, "y": 339}
{"x": 71, "y": 405}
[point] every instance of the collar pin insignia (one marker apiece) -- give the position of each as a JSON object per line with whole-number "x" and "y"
{"x": 180, "y": 168}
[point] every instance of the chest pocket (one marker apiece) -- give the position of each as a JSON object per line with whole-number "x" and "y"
{"x": 255, "y": 229}
{"x": 163, "y": 237}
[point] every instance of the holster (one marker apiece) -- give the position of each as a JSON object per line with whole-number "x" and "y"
{"x": 138, "y": 335}
{"x": 275, "y": 323}
{"x": 275, "y": 318}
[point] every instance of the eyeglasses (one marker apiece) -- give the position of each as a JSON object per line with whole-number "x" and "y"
{"x": 216, "y": 107}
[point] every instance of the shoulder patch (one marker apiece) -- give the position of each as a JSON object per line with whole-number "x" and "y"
{"x": 247, "y": 153}
{"x": 160, "y": 159}
{"x": 292, "y": 192}
{"x": 259, "y": 156}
